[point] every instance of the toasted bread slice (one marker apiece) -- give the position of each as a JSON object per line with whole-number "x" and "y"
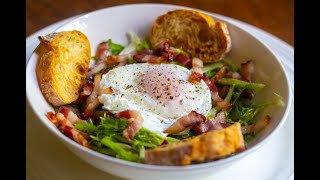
{"x": 64, "y": 59}
{"x": 209, "y": 146}
{"x": 196, "y": 33}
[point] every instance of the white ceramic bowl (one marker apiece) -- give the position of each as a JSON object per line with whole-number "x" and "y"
{"x": 114, "y": 23}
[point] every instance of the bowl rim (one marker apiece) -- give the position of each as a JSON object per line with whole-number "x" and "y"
{"x": 219, "y": 162}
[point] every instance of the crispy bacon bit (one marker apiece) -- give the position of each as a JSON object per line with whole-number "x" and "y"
{"x": 221, "y": 103}
{"x": 195, "y": 77}
{"x": 184, "y": 60}
{"x": 197, "y": 73}
{"x": 220, "y": 74}
{"x": 135, "y": 123}
{"x": 247, "y": 70}
{"x": 92, "y": 100}
{"x": 258, "y": 126}
{"x": 216, "y": 123}
{"x": 102, "y": 50}
{"x": 65, "y": 125}
{"x": 182, "y": 123}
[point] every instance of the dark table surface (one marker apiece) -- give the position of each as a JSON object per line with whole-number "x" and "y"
{"x": 273, "y": 16}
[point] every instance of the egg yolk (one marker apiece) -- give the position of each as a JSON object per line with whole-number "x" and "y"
{"x": 162, "y": 86}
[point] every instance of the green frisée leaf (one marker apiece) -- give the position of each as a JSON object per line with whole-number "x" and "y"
{"x": 107, "y": 138}
{"x": 211, "y": 73}
{"x": 130, "y": 60}
{"x": 182, "y": 136}
{"x": 231, "y": 66}
{"x": 95, "y": 58}
{"x": 245, "y": 113}
{"x": 88, "y": 128}
{"x": 120, "y": 151}
{"x": 249, "y": 137}
{"x": 115, "y": 49}
{"x": 213, "y": 66}
{"x": 104, "y": 150}
{"x": 143, "y": 45}
{"x": 135, "y": 43}
{"x": 180, "y": 51}
{"x": 148, "y": 138}
{"x": 241, "y": 84}
{"x": 276, "y": 101}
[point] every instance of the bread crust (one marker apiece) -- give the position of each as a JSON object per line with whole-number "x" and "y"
{"x": 64, "y": 59}
{"x": 208, "y": 146}
{"x": 196, "y": 33}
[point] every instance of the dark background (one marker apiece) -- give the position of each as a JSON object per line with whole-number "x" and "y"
{"x": 273, "y": 16}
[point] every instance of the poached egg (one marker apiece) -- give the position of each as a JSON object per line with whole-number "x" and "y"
{"x": 161, "y": 93}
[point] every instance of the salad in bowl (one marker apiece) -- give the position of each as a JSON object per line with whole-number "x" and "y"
{"x": 175, "y": 96}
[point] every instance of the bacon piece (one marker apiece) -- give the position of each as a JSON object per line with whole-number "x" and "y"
{"x": 221, "y": 103}
{"x": 246, "y": 94}
{"x": 165, "y": 50}
{"x": 212, "y": 124}
{"x": 258, "y": 126}
{"x": 87, "y": 89}
{"x": 197, "y": 65}
{"x": 223, "y": 91}
{"x": 96, "y": 69}
{"x": 102, "y": 50}
{"x": 92, "y": 100}
{"x": 152, "y": 59}
{"x": 109, "y": 61}
{"x": 234, "y": 75}
{"x": 135, "y": 123}
{"x": 113, "y": 60}
{"x": 247, "y": 70}
{"x": 220, "y": 74}
{"x": 182, "y": 123}
{"x": 163, "y": 53}
{"x": 70, "y": 115}
{"x": 65, "y": 125}
{"x": 184, "y": 60}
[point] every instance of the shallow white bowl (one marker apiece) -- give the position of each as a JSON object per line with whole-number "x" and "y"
{"x": 114, "y": 23}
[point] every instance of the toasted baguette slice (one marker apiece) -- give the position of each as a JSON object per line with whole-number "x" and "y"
{"x": 64, "y": 59}
{"x": 196, "y": 33}
{"x": 209, "y": 146}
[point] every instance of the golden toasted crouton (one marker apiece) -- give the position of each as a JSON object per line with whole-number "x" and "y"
{"x": 208, "y": 146}
{"x": 196, "y": 33}
{"x": 64, "y": 59}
